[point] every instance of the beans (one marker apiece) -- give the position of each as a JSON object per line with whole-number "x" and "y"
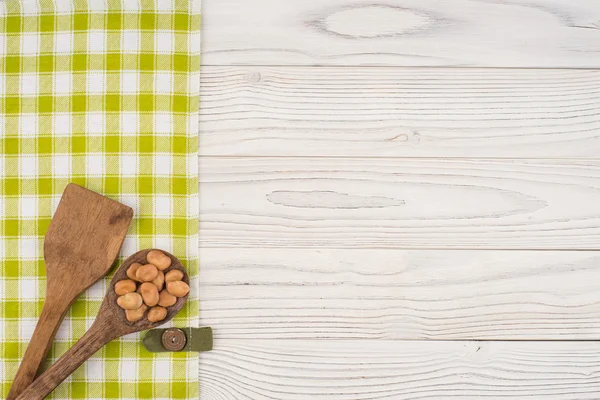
{"x": 124, "y": 287}
{"x": 160, "y": 259}
{"x": 160, "y": 280}
{"x": 132, "y": 269}
{"x": 137, "y": 314}
{"x": 149, "y": 293}
{"x": 178, "y": 288}
{"x": 166, "y": 299}
{"x": 146, "y": 273}
{"x": 130, "y": 301}
{"x": 157, "y": 314}
{"x": 174, "y": 275}
{"x": 150, "y": 288}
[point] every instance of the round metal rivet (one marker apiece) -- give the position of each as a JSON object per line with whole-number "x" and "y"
{"x": 174, "y": 339}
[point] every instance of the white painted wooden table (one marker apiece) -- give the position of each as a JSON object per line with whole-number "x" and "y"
{"x": 400, "y": 199}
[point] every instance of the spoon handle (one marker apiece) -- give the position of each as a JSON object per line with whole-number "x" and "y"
{"x": 93, "y": 340}
{"x": 52, "y": 314}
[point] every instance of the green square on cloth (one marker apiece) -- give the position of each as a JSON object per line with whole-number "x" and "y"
{"x": 102, "y": 93}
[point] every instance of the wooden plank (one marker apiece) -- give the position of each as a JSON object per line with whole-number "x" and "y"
{"x": 396, "y": 294}
{"x": 408, "y": 112}
{"x": 366, "y": 370}
{"x": 399, "y": 203}
{"x": 509, "y": 33}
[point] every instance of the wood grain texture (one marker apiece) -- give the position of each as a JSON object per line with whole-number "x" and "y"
{"x": 80, "y": 246}
{"x": 109, "y": 324}
{"x": 350, "y": 200}
{"x": 507, "y": 33}
{"x": 399, "y": 203}
{"x": 399, "y": 370}
{"x": 399, "y": 112}
{"x": 396, "y": 294}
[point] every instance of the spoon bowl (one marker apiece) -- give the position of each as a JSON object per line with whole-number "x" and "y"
{"x": 109, "y": 305}
{"x": 110, "y": 324}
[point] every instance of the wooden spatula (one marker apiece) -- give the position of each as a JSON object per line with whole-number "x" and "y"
{"x": 108, "y": 325}
{"x": 82, "y": 242}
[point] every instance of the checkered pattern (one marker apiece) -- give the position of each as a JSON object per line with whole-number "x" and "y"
{"x": 102, "y": 93}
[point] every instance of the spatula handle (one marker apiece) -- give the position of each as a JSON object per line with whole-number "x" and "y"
{"x": 91, "y": 342}
{"x": 45, "y": 330}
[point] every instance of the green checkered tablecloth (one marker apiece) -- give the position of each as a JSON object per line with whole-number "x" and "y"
{"x": 103, "y": 93}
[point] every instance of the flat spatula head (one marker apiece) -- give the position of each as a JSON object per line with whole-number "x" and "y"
{"x": 84, "y": 237}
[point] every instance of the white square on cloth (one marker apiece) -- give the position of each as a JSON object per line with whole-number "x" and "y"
{"x": 28, "y": 206}
{"x": 97, "y": 5}
{"x": 61, "y": 165}
{"x": 62, "y": 83}
{"x": 129, "y": 125}
{"x": 129, "y": 370}
{"x": 163, "y": 83}
{"x": 162, "y": 370}
{"x": 30, "y": 44}
{"x": 129, "y": 165}
{"x": 164, "y": 242}
{"x": 61, "y": 124}
{"x": 95, "y": 123}
{"x": 130, "y": 41}
{"x": 131, "y": 5}
{"x": 63, "y": 5}
{"x": 163, "y": 206}
{"x": 63, "y": 42}
{"x": 28, "y": 248}
{"x": 28, "y": 165}
{"x": 96, "y": 40}
{"x": 28, "y": 125}
{"x": 163, "y": 165}
{"x": 94, "y": 164}
{"x": 26, "y": 328}
{"x": 129, "y": 82}
{"x": 29, "y": 84}
{"x": 94, "y": 369}
{"x": 164, "y": 4}
{"x": 28, "y": 289}
{"x": 164, "y": 43}
{"x": 163, "y": 123}
{"x": 96, "y": 83}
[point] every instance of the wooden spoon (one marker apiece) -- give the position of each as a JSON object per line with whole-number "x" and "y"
{"x": 109, "y": 325}
{"x": 82, "y": 242}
